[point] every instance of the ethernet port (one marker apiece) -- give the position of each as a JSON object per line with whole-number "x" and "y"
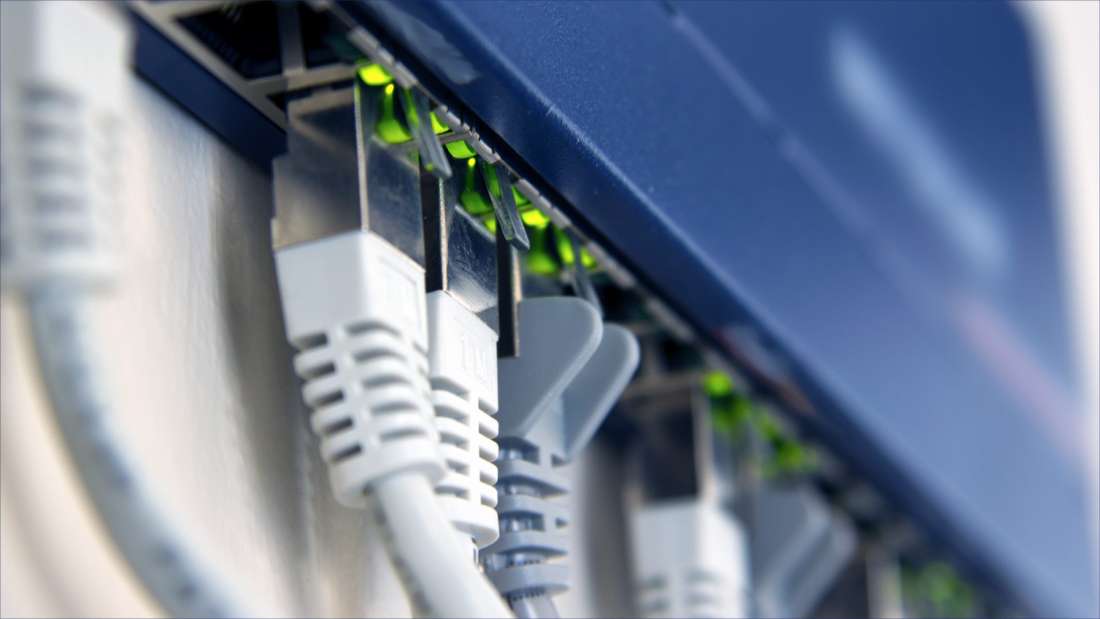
{"x": 244, "y": 36}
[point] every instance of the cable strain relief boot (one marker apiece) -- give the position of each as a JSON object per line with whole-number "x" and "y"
{"x": 532, "y": 523}
{"x": 690, "y": 560}
{"x": 354, "y": 309}
{"x": 463, "y": 376}
{"x": 63, "y": 69}
{"x": 554, "y": 396}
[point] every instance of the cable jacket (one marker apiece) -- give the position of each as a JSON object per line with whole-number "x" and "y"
{"x": 440, "y": 576}
{"x": 153, "y": 550}
{"x": 535, "y": 607}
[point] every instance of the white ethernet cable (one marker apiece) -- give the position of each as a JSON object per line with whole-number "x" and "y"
{"x": 64, "y": 67}
{"x": 355, "y": 308}
{"x": 463, "y": 373}
{"x": 556, "y": 393}
{"x": 689, "y": 551}
{"x": 690, "y": 560}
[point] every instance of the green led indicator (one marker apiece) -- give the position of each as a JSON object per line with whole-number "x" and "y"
{"x": 768, "y": 428}
{"x": 472, "y": 200}
{"x": 734, "y": 413}
{"x": 565, "y": 250}
{"x": 717, "y": 384}
{"x": 729, "y": 411}
{"x": 539, "y": 261}
{"x": 437, "y": 125}
{"x": 937, "y": 590}
{"x": 389, "y": 128}
{"x": 494, "y": 188}
{"x": 374, "y": 74}
{"x": 790, "y": 457}
{"x": 476, "y": 203}
{"x": 535, "y": 218}
{"x": 459, "y": 149}
{"x": 411, "y": 117}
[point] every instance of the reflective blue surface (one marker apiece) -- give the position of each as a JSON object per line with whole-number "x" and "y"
{"x": 852, "y": 199}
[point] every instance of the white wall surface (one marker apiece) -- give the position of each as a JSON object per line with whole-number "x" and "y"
{"x": 1069, "y": 60}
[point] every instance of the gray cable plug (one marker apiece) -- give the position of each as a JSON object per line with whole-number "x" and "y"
{"x": 553, "y": 397}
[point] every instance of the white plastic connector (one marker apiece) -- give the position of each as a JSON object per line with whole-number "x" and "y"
{"x": 463, "y": 373}
{"x": 64, "y": 76}
{"x": 690, "y": 560}
{"x": 64, "y": 68}
{"x": 554, "y": 396}
{"x": 801, "y": 547}
{"x": 354, "y": 309}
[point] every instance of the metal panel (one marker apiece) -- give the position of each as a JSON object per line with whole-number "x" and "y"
{"x": 726, "y": 153}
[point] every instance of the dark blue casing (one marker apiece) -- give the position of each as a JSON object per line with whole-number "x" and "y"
{"x": 851, "y": 199}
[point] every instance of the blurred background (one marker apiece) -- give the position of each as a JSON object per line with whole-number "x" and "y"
{"x": 866, "y": 234}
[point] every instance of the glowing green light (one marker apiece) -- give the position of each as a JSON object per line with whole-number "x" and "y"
{"x": 474, "y": 203}
{"x": 534, "y": 218}
{"x": 374, "y": 74}
{"x": 565, "y": 250}
{"x": 717, "y": 384}
{"x": 389, "y": 128}
{"x": 731, "y": 412}
{"x": 936, "y": 589}
{"x": 494, "y": 183}
{"x": 490, "y": 223}
{"x": 437, "y": 125}
{"x": 411, "y": 117}
{"x": 477, "y": 203}
{"x": 471, "y": 198}
{"x": 540, "y": 263}
{"x": 459, "y": 149}
{"x": 790, "y": 457}
{"x": 494, "y": 188}
{"x": 538, "y": 259}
